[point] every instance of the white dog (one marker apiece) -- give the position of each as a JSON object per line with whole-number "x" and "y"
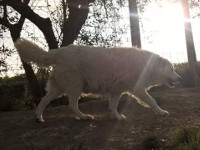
{"x": 105, "y": 71}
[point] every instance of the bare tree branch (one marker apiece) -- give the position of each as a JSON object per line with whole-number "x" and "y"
{"x": 44, "y": 24}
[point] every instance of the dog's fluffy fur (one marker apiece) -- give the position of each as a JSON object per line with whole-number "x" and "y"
{"x": 106, "y": 71}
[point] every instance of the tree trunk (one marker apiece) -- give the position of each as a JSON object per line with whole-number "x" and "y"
{"x": 134, "y": 24}
{"x": 78, "y": 12}
{"x": 35, "y": 87}
{"x": 15, "y": 30}
{"x": 193, "y": 70}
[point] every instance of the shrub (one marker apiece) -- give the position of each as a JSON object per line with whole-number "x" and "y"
{"x": 183, "y": 70}
{"x": 13, "y": 93}
{"x": 187, "y": 138}
{"x": 151, "y": 142}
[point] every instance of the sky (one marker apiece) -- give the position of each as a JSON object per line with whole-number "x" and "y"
{"x": 163, "y": 31}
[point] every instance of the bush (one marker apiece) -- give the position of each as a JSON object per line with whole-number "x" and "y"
{"x": 187, "y": 138}
{"x": 151, "y": 142}
{"x": 13, "y": 93}
{"x": 183, "y": 70}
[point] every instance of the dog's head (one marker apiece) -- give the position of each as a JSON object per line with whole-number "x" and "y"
{"x": 163, "y": 73}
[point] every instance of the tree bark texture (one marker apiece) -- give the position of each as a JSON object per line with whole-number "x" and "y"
{"x": 193, "y": 70}
{"x": 134, "y": 23}
{"x": 78, "y": 12}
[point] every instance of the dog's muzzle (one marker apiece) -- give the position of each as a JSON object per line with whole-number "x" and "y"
{"x": 172, "y": 82}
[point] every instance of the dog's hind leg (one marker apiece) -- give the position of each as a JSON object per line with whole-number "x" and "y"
{"x": 52, "y": 94}
{"x": 43, "y": 103}
{"x": 73, "y": 103}
{"x": 113, "y": 104}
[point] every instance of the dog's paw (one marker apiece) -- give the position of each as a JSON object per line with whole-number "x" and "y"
{"x": 164, "y": 113}
{"x": 120, "y": 117}
{"x": 39, "y": 119}
{"x": 87, "y": 117}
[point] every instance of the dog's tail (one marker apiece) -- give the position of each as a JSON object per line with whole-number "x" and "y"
{"x": 31, "y": 52}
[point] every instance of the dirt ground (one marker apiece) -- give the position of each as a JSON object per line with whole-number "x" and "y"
{"x": 61, "y": 131}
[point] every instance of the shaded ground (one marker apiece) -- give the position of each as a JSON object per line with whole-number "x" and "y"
{"x": 19, "y": 131}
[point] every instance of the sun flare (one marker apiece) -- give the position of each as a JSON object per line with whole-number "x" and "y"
{"x": 170, "y": 18}
{"x": 165, "y": 23}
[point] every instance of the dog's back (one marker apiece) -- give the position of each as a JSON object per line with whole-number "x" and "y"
{"x": 101, "y": 70}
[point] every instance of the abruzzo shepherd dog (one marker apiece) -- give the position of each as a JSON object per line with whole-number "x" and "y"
{"x": 105, "y": 71}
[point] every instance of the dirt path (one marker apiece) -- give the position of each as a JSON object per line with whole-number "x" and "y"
{"x": 19, "y": 131}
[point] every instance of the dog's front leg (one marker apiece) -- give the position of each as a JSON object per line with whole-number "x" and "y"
{"x": 113, "y": 104}
{"x": 145, "y": 97}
